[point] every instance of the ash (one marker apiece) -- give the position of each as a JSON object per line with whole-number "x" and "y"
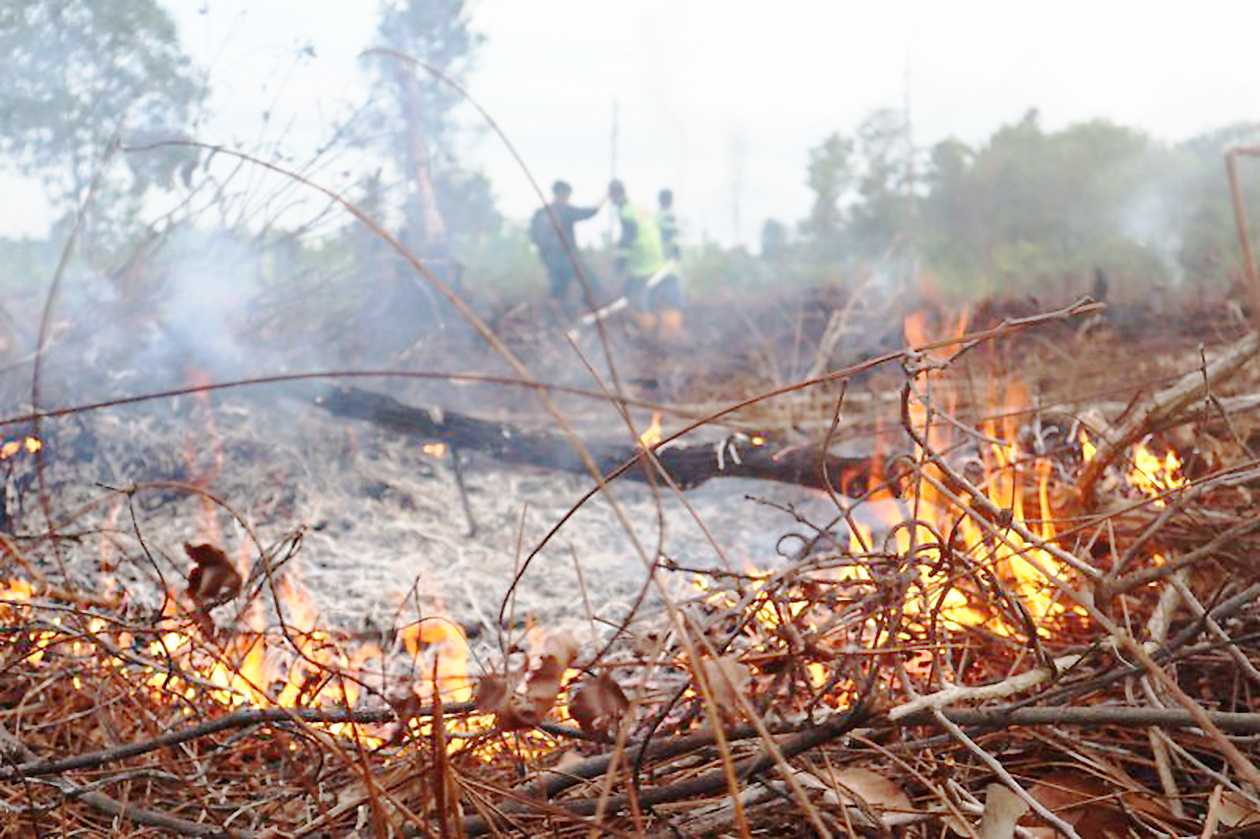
{"x": 385, "y": 536}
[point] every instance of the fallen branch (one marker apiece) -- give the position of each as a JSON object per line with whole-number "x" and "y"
{"x": 707, "y": 783}
{"x": 968, "y": 693}
{"x": 737, "y": 456}
{"x": 1095, "y": 715}
{"x": 12, "y": 747}
{"x": 34, "y": 766}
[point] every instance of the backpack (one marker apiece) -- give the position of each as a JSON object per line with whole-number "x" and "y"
{"x": 542, "y": 233}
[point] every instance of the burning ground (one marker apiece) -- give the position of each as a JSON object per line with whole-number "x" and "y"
{"x": 250, "y": 616}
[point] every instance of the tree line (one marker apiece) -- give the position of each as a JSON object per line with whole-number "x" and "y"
{"x": 1025, "y": 208}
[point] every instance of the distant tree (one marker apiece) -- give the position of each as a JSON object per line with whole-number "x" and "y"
{"x": 1028, "y": 210}
{"x": 79, "y": 73}
{"x": 774, "y": 240}
{"x": 830, "y": 177}
{"x": 1208, "y": 244}
{"x": 1034, "y": 206}
{"x": 950, "y": 227}
{"x": 418, "y": 119}
{"x": 884, "y": 213}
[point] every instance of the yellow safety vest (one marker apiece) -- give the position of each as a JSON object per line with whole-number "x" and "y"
{"x": 644, "y": 255}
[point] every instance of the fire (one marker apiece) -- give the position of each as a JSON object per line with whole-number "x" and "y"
{"x": 307, "y": 667}
{"x": 1154, "y": 476}
{"x": 1088, "y": 449}
{"x": 250, "y": 657}
{"x": 11, "y": 448}
{"x": 916, "y": 523}
{"x": 303, "y": 664}
{"x": 450, "y": 650}
{"x": 1148, "y": 473}
{"x": 652, "y": 434}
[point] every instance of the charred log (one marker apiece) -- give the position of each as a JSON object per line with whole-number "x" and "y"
{"x": 737, "y": 456}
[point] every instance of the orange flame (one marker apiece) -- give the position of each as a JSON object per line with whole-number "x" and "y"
{"x": 10, "y": 448}
{"x": 1152, "y": 475}
{"x": 652, "y": 434}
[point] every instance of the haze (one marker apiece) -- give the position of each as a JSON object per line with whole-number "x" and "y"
{"x": 722, "y": 101}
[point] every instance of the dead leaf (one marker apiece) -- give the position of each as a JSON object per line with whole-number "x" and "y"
{"x": 1237, "y": 811}
{"x": 213, "y": 579}
{"x": 728, "y": 680}
{"x": 492, "y": 694}
{"x": 569, "y": 761}
{"x": 409, "y": 707}
{"x": 865, "y": 789}
{"x": 544, "y": 682}
{"x": 650, "y": 644}
{"x": 1081, "y": 800}
{"x": 1002, "y": 811}
{"x": 515, "y": 708}
{"x": 561, "y": 647}
{"x": 598, "y": 705}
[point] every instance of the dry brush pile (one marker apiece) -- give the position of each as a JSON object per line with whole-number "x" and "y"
{"x": 1027, "y": 619}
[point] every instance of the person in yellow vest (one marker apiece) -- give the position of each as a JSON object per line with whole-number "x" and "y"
{"x": 652, "y": 287}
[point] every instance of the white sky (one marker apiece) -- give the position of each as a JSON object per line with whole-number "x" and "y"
{"x": 708, "y": 89}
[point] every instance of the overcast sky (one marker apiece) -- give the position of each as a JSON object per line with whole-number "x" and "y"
{"x": 721, "y": 100}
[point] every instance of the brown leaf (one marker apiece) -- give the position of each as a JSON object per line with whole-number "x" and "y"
{"x": 517, "y": 708}
{"x": 561, "y": 647}
{"x": 1002, "y": 811}
{"x": 492, "y": 694}
{"x": 519, "y": 712}
{"x": 1081, "y": 800}
{"x": 1237, "y": 811}
{"x": 598, "y": 705}
{"x": 499, "y": 695}
{"x": 543, "y": 685}
{"x": 857, "y": 782}
{"x": 409, "y": 706}
{"x": 213, "y": 579}
{"x": 728, "y": 680}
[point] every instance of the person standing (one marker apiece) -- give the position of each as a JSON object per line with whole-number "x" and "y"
{"x": 558, "y": 248}
{"x": 668, "y": 223}
{"x": 651, "y": 288}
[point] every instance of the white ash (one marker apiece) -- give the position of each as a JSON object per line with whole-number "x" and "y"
{"x": 381, "y": 516}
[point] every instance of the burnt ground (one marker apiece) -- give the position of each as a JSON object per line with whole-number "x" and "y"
{"x": 383, "y": 521}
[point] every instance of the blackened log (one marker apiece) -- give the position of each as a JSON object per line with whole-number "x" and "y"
{"x": 688, "y": 465}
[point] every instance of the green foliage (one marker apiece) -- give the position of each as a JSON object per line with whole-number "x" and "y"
{"x": 830, "y": 177}
{"x": 884, "y": 212}
{"x": 716, "y": 273}
{"x": 1208, "y": 245}
{"x": 503, "y": 265}
{"x": 80, "y": 74}
{"x": 774, "y": 240}
{"x": 1028, "y": 211}
{"x": 437, "y": 33}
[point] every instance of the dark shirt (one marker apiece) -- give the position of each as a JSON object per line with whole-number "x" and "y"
{"x": 544, "y": 233}
{"x": 668, "y": 223}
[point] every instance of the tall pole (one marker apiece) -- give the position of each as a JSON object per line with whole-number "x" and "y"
{"x": 612, "y": 164}
{"x": 909, "y": 220}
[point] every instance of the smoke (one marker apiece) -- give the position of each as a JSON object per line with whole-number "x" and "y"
{"x": 1153, "y": 221}
{"x": 203, "y": 309}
